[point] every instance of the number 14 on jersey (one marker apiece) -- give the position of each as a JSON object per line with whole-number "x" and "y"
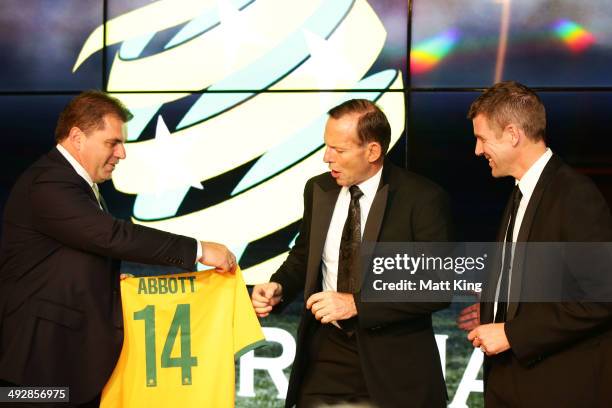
{"x": 180, "y": 322}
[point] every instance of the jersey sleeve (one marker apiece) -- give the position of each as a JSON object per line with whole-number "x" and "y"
{"x": 247, "y": 330}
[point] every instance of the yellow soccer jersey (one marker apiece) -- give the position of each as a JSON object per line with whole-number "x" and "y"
{"x": 181, "y": 335}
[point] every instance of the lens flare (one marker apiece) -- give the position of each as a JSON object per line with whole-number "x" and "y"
{"x": 575, "y": 37}
{"x": 427, "y": 54}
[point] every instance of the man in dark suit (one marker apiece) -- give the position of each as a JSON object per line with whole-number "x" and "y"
{"x": 60, "y": 306}
{"x": 349, "y": 350}
{"x": 548, "y": 353}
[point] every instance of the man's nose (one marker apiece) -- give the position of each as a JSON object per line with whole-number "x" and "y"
{"x": 478, "y": 150}
{"x": 120, "y": 151}
{"x": 327, "y": 156}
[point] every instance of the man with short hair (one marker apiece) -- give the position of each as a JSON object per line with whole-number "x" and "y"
{"x": 555, "y": 354}
{"x": 60, "y": 305}
{"x": 350, "y": 351}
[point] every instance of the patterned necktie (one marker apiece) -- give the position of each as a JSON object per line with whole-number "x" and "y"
{"x": 349, "y": 245}
{"x": 502, "y": 300}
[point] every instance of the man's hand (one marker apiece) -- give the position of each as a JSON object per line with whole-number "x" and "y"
{"x": 331, "y": 306}
{"x": 469, "y": 318}
{"x": 491, "y": 338}
{"x": 218, "y": 256}
{"x": 265, "y": 296}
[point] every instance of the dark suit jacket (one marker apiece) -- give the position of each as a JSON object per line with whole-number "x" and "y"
{"x": 396, "y": 344}
{"x": 61, "y": 321}
{"x": 561, "y": 352}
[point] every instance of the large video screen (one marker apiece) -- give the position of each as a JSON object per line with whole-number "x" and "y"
{"x": 475, "y": 43}
{"x": 230, "y": 98}
{"x": 38, "y": 41}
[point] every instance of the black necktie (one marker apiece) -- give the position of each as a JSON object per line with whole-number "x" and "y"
{"x": 502, "y": 300}
{"x": 349, "y": 245}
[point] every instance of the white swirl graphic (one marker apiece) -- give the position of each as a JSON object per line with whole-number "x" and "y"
{"x": 246, "y": 46}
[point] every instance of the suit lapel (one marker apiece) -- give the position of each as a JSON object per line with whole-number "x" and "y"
{"x": 372, "y": 229}
{"x": 523, "y": 236}
{"x": 324, "y": 197}
{"x": 545, "y": 178}
{"x": 376, "y": 215}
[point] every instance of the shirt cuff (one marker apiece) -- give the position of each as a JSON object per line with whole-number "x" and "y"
{"x": 199, "y": 252}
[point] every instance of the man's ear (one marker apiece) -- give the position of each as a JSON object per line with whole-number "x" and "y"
{"x": 75, "y": 137}
{"x": 374, "y": 151}
{"x": 516, "y": 134}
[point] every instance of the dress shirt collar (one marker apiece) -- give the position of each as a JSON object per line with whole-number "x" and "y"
{"x": 529, "y": 180}
{"x": 370, "y": 186}
{"x": 75, "y": 164}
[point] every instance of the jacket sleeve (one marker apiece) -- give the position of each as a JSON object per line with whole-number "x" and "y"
{"x": 292, "y": 273}
{"x": 430, "y": 222}
{"x": 63, "y": 209}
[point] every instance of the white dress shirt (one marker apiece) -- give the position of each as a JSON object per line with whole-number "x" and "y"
{"x": 331, "y": 250}
{"x": 526, "y": 184}
{"x": 83, "y": 173}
